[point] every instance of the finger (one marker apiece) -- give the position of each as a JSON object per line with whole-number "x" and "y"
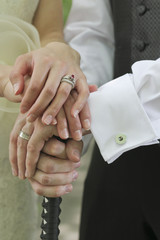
{"x": 33, "y": 152}
{"x": 83, "y": 94}
{"x": 85, "y": 132}
{"x": 21, "y": 68}
{"x": 13, "y": 145}
{"x": 53, "y": 147}
{"x": 85, "y": 116}
{"x": 22, "y": 150}
{"x": 36, "y": 143}
{"x": 37, "y": 82}
{"x": 47, "y": 94}
{"x": 50, "y": 191}
{"x": 55, "y": 179}
{"x": 61, "y": 96}
{"x": 74, "y": 124}
{"x": 74, "y": 150}
{"x": 93, "y": 88}
{"x": 62, "y": 124}
{"x": 48, "y": 164}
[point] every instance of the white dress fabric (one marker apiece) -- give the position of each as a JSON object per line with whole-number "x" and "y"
{"x": 18, "y": 211}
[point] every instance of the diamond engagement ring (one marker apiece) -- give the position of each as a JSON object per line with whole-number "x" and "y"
{"x": 69, "y": 79}
{"x": 24, "y": 135}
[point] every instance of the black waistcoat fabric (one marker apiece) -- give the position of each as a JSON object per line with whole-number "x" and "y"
{"x": 137, "y": 32}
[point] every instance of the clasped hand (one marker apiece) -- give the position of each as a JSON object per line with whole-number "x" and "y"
{"x": 48, "y": 162}
{"x": 49, "y": 108}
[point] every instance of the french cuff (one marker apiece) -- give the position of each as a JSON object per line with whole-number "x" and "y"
{"x": 119, "y": 122}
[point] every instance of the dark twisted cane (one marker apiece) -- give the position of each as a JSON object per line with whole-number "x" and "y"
{"x": 50, "y": 216}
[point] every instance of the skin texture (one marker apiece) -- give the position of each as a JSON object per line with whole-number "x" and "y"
{"x": 54, "y": 162}
{"x": 35, "y": 79}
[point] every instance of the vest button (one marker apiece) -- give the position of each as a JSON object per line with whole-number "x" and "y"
{"x": 140, "y": 45}
{"x": 141, "y": 9}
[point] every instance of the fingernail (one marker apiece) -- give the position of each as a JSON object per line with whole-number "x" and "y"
{"x": 54, "y": 121}
{"x": 78, "y": 135}
{"x": 68, "y": 188}
{"x": 48, "y": 119}
{"x": 65, "y": 133}
{"x": 86, "y": 124}
{"x": 75, "y": 175}
{"x": 14, "y": 172}
{"x": 31, "y": 118}
{"x": 16, "y": 88}
{"x": 77, "y": 164}
{"x": 75, "y": 113}
{"x": 76, "y": 154}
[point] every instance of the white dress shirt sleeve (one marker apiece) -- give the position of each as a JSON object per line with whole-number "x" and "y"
{"x": 89, "y": 30}
{"x": 126, "y": 111}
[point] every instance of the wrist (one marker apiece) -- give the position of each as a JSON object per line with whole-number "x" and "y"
{"x": 64, "y": 51}
{"x": 51, "y": 38}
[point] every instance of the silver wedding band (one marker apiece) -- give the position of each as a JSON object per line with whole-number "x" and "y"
{"x": 69, "y": 79}
{"x": 24, "y": 135}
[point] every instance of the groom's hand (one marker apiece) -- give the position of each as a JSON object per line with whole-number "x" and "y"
{"x": 56, "y": 168}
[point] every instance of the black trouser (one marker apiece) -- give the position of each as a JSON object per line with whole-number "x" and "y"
{"x": 122, "y": 200}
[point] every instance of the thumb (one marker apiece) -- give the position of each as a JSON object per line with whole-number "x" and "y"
{"x": 74, "y": 150}
{"x": 22, "y": 67}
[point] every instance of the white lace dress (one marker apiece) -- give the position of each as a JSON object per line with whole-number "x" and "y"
{"x": 18, "y": 205}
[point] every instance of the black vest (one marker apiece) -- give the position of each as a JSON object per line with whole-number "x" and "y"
{"x": 137, "y": 32}
{"x": 137, "y": 35}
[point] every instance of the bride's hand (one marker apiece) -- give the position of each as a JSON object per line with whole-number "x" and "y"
{"x": 6, "y": 88}
{"x": 24, "y": 153}
{"x": 47, "y": 66}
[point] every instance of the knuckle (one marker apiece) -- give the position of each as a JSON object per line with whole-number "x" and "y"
{"x": 83, "y": 77}
{"x": 62, "y": 124}
{"x": 50, "y": 91}
{"x": 14, "y": 75}
{"x": 61, "y": 64}
{"x": 69, "y": 178}
{"x": 13, "y": 139}
{"x": 31, "y": 148}
{"x": 39, "y": 190}
{"x": 12, "y": 161}
{"x": 86, "y": 93}
{"x": 57, "y": 192}
{"x": 34, "y": 87}
{"x": 56, "y": 148}
{"x": 75, "y": 126}
{"x": 25, "y": 103}
{"x": 45, "y": 180}
{"x": 20, "y": 143}
{"x": 29, "y": 164}
{"x": 49, "y": 168}
{"x": 47, "y": 60}
{"x": 64, "y": 92}
{"x": 20, "y": 58}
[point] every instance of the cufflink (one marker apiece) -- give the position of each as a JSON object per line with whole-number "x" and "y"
{"x": 121, "y": 139}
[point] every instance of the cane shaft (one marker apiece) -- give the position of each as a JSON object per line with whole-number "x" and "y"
{"x": 50, "y": 216}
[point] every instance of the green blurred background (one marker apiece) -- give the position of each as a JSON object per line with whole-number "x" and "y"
{"x": 66, "y": 7}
